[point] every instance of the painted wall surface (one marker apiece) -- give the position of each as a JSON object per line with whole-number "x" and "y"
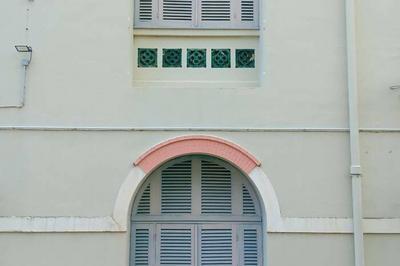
{"x": 382, "y": 250}
{"x": 63, "y": 249}
{"x": 82, "y": 75}
{"x": 82, "y": 71}
{"x": 12, "y": 30}
{"x": 379, "y": 61}
{"x": 380, "y": 156}
{"x": 62, "y": 166}
{"x": 299, "y": 249}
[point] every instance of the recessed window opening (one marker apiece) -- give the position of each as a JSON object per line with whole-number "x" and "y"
{"x": 223, "y": 14}
{"x": 196, "y": 43}
{"x": 196, "y": 210}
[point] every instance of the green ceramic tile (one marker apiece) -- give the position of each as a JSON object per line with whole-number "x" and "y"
{"x": 147, "y": 57}
{"x": 221, "y": 58}
{"x": 172, "y": 58}
{"x": 196, "y": 58}
{"x": 245, "y": 58}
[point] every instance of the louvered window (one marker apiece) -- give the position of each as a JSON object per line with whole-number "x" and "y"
{"x": 196, "y": 210}
{"x": 176, "y": 245}
{"x": 216, "y": 188}
{"x": 216, "y": 245}
{"x": 232, "y": 14}
{"x": 176, "y": 188}
{"x": 144, "y": 203}
{"x": 248, "y": 204}
{"x": 250, "y": 241}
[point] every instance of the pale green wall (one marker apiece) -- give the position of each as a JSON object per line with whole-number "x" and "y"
{"x": 380, "y": 155}
{"x": 79, "y": 173}
{"x": 82, "y": 73}
{"x": 382, "y": 250}
{"x": 303, "y": 249}
{"x": 379, "y": 63}
{"x": 64, "y": 249}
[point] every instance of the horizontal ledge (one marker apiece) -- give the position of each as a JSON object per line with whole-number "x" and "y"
{"x": 11, "y": 106}
{"x": 184, "y": 84}
{"x": 108, "y": 224}
{"x": 314, "y": 225}
{"x": 193, "y": 129}
{"x": 196, "y": 32}
{"x": 30, "y": 224}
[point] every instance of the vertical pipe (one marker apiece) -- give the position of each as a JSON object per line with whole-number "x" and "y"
{"x": 23, "y": 92}
{"x": 262, "y": 43}
{"x": 355, "y": 168}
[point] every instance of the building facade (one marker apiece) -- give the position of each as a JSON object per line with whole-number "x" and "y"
{"x": 139, "y": 132}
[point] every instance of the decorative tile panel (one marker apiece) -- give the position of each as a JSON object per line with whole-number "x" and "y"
{"x": 172, "y": 58}
{"x": 221, "y": 58}
{"x": 196, "y": 58}
{"x": 245, "y": 58}
{"x": 147, "y": 57}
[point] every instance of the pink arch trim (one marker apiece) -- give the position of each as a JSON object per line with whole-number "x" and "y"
{"x": 197, "y": 145}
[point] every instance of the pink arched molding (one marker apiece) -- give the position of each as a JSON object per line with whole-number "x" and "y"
{"x": 197, "y": 145}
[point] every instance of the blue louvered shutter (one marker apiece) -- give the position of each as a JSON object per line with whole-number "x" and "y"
{"x": 196, "y": 210}
{"x": 248, "y": 207}
{"x": 250, "y": 245}
{"x": 142, "y": 245}
{"x": 216, "y": 189}
{"x": 176, "y": 188}
{"x": 144, "y": 202}
{"x": 176, "y": 244}
{"x": 216, "y": 245}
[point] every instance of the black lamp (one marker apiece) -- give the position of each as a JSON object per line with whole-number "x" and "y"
{"x": 23, "y": 48}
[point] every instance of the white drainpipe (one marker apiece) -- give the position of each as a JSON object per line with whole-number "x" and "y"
{"x": 355, "y": 168}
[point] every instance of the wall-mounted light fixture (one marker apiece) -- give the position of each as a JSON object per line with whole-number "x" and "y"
{"x": 25, "y": 49}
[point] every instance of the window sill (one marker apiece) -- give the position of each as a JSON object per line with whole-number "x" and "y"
{"x": 141, "y": 84}
{"x": 194, "y": 32}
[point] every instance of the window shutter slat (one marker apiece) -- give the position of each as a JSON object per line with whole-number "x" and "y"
{"x": 248, "y": 203}
{"x": 216, "y": 246}
{"x": 177, "y": 10}
{"x": 215, "y": 10}
{"x": 250, "y": 247}
{"x": 145, "y": 10}
{"x": 141, "y": 246}
{"x": 247, "y": 10}
{"x": 216, "y": 189}
{"x": 144, "y": 202}
{"x": 176, "y": 246}
{"x": 176, "y": 188}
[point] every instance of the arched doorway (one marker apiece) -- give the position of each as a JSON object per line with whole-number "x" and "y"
{"x": 196, "y": 210}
